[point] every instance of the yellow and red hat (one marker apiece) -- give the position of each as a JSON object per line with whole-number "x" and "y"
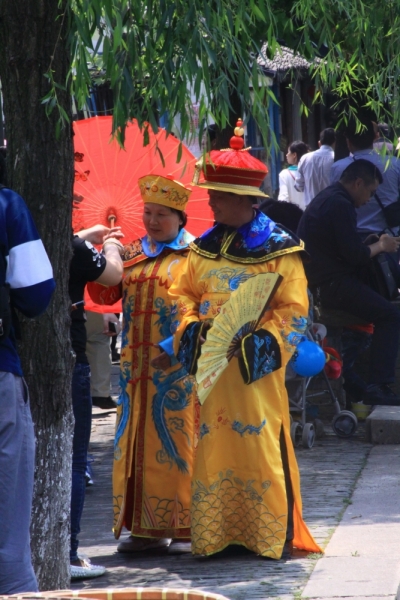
{"x": 233, "y": 169}
{"x": 164, "y": 190}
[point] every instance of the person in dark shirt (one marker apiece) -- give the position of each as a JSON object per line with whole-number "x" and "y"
{"x": 26, "y": 272}
{"x": 338, "y": 261}
{"x": 87, "y": 264}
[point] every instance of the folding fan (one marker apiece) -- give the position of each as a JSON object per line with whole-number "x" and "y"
{"x": 238, "y": 317}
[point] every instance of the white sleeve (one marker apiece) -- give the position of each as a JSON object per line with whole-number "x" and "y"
{"x": 299, "y": 179}
{"x": 283, "y": 187}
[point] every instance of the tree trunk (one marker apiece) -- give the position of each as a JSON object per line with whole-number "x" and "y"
{"x": 40, "y": 169}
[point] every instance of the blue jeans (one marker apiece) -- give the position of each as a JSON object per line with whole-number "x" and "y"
{"x": 82, "y": 407}
{"x": 17, "y": 462}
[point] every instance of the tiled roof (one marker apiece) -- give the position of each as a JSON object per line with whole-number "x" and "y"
{"x": 284, "y": 60}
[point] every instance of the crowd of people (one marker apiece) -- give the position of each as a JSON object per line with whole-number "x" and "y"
{"x": 175, "y": 487}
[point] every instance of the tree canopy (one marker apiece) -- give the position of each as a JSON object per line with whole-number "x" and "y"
{"x": 157, "y": 55}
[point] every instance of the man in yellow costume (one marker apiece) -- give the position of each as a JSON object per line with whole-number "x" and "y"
{"x": 246, "y": 487}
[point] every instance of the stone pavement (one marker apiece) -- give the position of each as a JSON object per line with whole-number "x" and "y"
{"x": 362, "y": 559}
{"x": 329, "y": 472}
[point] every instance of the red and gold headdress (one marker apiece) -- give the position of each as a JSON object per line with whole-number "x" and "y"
{"x": 233, "y": 169}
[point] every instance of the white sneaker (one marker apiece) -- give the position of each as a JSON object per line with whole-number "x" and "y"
{"x": 86, "y": 570}
{"x": 179, "y": 547}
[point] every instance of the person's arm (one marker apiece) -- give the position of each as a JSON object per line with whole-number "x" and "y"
{"x": 386, "y": 243}
{"x": 299, "y": 179}
{"x": 342, "y": 220}
{"x": 29, "y": 272}
{"x": 109, "y": 237}
{"x": 283, "y": 187}
{"x": 270, "y": 347}
{"x": 112, "y": 274}
{"x": 185, "y": 298}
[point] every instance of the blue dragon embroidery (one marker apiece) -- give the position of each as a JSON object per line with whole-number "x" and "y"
{"x": 204, "y": 307}
{"x": 242, "y": 429}
{"x": 299, "y": 324}
{"x": 167, "y": 323}
{"x": 266, "y": 363}
{"x": 173, "y": 392}
{"x": 280, "y": 237}
{"x": 124, "y": 402}
{"x": 293, "y": 338}
{"x": 228, "y": 278}
{"x": 129, "y": 307}
{"x": 204, "y": 430}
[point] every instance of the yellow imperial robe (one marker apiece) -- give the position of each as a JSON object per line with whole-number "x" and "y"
{"x": 238, "y": 489}
{"x": 156, "y": 412}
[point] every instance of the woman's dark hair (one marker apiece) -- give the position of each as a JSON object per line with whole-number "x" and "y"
{"x": 182, "y": 215}
{"x": 299, "y": 148}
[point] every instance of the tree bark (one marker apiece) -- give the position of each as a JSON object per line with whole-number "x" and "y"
{"x": 40, "y": 169}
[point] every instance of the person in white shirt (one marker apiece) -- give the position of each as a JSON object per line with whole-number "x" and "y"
{"x": 313, "y": 172}
{"x": 287, "y": 191}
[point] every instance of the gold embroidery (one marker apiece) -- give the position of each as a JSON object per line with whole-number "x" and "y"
{"x": 234, "y": 511}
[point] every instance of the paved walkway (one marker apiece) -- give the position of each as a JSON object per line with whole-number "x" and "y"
{"x": 362, "y": 560}
{"x": 329, "y": 473}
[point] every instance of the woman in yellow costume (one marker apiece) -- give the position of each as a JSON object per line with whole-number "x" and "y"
{"x": 154, "y": 439}
{"x": 246, "y": 487}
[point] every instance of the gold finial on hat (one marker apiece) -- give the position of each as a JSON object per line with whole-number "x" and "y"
{"x": 237, "y": 142}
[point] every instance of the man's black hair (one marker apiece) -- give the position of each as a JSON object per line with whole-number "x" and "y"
{"x": 327, "y": 137}
{"x": 362, "y": 139}
{"x": 361, "y": 169}
{"x": 282, "y": 212}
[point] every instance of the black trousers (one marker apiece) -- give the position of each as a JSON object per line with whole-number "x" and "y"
{"x": 289, "y": 489}
{"x": 354, "y": 297}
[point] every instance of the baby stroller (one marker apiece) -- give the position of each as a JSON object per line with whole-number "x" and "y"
{"x": 344, "y": 422}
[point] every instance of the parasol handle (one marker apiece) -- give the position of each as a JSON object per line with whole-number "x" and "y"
{"x": 111, "y": 219}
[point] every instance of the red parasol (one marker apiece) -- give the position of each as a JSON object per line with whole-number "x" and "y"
{"x": 106, "y": 177}
{"x": 106, "y": 181}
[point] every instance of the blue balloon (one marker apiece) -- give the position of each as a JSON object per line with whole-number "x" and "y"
{"x": 308, "y": 359}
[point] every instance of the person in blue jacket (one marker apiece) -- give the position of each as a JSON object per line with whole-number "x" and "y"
{"x": 26, "y": 276}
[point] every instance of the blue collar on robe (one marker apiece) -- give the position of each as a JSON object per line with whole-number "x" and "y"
{"x": 254, "y": 233}
{"x": 151, "y": 248}
{"x": 258, "y": 231}
{"x": 255, "y": 242}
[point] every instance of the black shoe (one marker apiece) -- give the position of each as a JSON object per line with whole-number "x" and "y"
{"x": 115, "y": 357}
{"x": 381, "y": 395}
{"x": 104, "y": 403}
{"x": 287, "y": 551}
